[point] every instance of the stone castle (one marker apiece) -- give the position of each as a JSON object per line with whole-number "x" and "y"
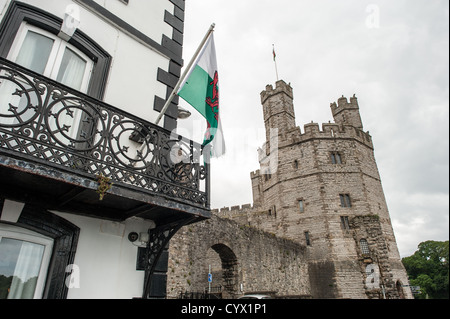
{"x": 319, "y": 226}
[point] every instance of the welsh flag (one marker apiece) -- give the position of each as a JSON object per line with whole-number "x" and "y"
{"x": 201, "y": 91}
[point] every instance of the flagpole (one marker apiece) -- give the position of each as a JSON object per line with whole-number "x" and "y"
{"x": 188, "y": 68}
{"x": 275, "y": 60}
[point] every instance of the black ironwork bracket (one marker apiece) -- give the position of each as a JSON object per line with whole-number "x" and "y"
{"x": 159, "y": 238}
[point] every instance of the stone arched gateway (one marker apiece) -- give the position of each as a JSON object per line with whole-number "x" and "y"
{"x": 225, "y": 273}
{"x": 243, "y": 260}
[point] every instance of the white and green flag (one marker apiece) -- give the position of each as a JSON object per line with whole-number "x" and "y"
{"x": 201, "y": 90}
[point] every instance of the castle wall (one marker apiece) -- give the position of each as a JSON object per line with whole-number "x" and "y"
{"x": 260, "y": 261}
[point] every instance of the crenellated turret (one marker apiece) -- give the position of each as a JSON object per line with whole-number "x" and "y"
{"x": 347, "y": 113}
{"x": 278, "y": 108}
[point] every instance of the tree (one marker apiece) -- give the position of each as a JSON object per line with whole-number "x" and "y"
{"x": 428, "y": 268}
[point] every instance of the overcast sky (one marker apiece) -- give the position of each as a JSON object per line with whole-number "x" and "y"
{"x": 394, "y": 55}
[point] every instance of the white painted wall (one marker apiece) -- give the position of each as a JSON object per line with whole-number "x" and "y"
{"x": 146, "y": 16}
{"x": 106, "y": 259}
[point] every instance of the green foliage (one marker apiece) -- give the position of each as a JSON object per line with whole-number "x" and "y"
{"x": 5, "y": 283}
{"x": 428, "y": 268}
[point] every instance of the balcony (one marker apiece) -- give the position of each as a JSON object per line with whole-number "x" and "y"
{"x": 64, "y": 150}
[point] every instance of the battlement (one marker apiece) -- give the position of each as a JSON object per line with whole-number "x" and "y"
{"x": 347, "y": 113}
{"x": 247, "y": 215}
{"x": 255, "y": 174}
{"x": 281, "y": 87}
{"x": 238, "y": 213}
{"x": 344, "y": 104}
{"x": 234, "y": 209}
{"x": 329, "y": 131}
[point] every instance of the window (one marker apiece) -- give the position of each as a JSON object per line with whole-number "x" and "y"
{"x": 345, "y": 200}
{"x": 65, "y": 237}
{"x": 24, "y": 263}
{"x": 308, "y": 239}
{"x": 336, "y": 158}
{"x": 364, "y": 246}
{"x": 301, "y": 206}
{"x": 345, "y": 223}
{"x": 45, "y": 53}
{"x": 12, "y": 30}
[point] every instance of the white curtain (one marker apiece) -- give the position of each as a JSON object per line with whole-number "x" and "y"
{"x": 72, "y": 70}
{"x": 71, "y": 73}
{"x": 26, "y": 273}
{"x": 35, "y": 52}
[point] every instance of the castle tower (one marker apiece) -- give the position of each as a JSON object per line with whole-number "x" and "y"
{"x": 347, "y": 113}
{"x": 327, "y": 194}
{"x": 278, "y": 108}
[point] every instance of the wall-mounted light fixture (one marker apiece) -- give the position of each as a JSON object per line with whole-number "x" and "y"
{"x": 141, "y": 239}
{"x": 183, "y": 113}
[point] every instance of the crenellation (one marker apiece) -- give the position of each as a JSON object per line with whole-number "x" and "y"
{"x": 332, "y": 131}
{"x": 281, "y": 87}
{"x": 233, "y": 211}
{"x": 347, "y": 113}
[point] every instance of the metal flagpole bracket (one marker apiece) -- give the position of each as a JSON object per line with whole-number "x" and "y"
{"x": 183, "y": 77}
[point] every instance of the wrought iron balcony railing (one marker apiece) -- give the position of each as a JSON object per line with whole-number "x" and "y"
{"x": 48, "y": 123}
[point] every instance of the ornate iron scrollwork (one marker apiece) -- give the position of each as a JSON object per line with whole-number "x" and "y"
{"x": 47, "y": 122}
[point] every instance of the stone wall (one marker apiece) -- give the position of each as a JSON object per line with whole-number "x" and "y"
{"x": 390, "y": 274}
{"x": 242, "y": 259}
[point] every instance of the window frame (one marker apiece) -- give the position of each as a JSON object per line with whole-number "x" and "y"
{"x": 21, "y": 234}
{"x": 65, "y": 236}
{"x": 364, "y": 246}
{"x": 19, "y": 12}
{"x": 301, "y": 205}
{"x": 345, "y": 200}
{"x": 336, "y": 158}
{"x": 345, "y": 223}
{"x": 56, "y": 56}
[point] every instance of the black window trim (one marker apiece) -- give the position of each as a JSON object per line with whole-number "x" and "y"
{"x": 65, "y": 237}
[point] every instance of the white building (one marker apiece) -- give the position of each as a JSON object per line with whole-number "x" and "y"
{"x": 81, "y": 84}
